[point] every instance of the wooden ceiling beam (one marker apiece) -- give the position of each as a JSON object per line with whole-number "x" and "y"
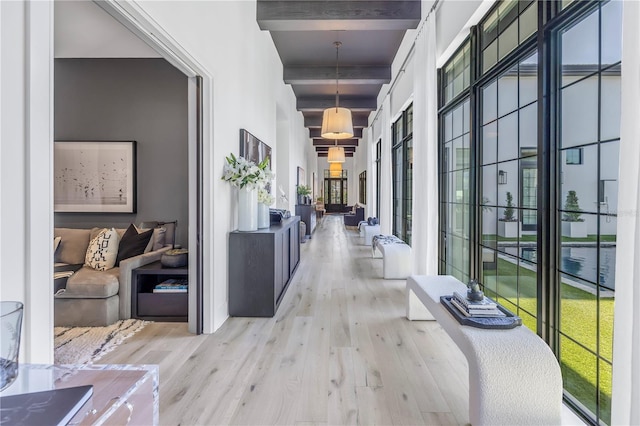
{"x": 326, "y": 148}
{"x": 334, "y": 15}
{"x": 320, "y": 103}
{"x": 316, "y": 121}
{"x": 314, "y": 133}
{"x": 350, "y": 75}
{"x": 326, "y": 154}
{"x": 330, "y": 142}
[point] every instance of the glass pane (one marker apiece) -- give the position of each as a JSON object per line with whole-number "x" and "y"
{"x": 607, "y": 270}
{"x": 458, "y": 154}
{"x": 466, "y": 150}
{"x": 508, "y": 40}
{"x": 509, "y": 176}
{"x": 508, "y": 278}
{"x": 605, "y": 391}
{"x": 489, "y": 258}
{"x": 578, "y": 372}
{"x": 610, "y": 108}
{"x": 490, "y": 102}
{"x": 529, "y": 126}
{"x": 466, "y": 121}
{"x": 490, "y": 143}
{"x": 608, "y": 187}
{"x": 579, "y": 181}
{"x": 580, "y": 43}
{"x": 447, "y": 157}
{"x": 529, "y": 80}
{"x": 489, "y": 229}
{"x": 611, "y": 35}
{"x": 580, "y": 260}
{"x": 457, "y": 121}
{"x": 448, "y": 126}
{"x": 508, "y": 92}
{"x": 508, "y": 137}
{"x": 578, "y": 310}
{"x": 489, "y": 185}
{"x": 528, "y": 22}
{"x": 490, "y": 56}
{"x": 527, "y": 287}
{"x": 580, "y": 112}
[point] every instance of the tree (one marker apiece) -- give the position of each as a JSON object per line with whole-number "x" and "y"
{"x": 572, "y": 213}
{"x": 508, "y": 211}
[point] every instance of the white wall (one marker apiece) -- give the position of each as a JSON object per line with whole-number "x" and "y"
{"x": 26, "y": 208}
{"x": 248, "y": 88}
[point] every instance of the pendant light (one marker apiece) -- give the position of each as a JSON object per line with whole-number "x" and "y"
{"x": 335, "y": 170}
{"x": 336, "y": 154}
{"x": 336, "y": 121}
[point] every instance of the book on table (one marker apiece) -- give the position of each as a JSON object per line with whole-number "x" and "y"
{"x": 52, "y": 407}
{"x": 172, "y": 285}
{"x": 486, "y": 309}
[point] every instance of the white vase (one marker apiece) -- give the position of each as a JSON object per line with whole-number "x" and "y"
{"x": 247, "y": 209}
{"x": 263, "y": 216}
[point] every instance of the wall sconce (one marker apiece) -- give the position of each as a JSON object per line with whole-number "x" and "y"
{"x": 502, "y": 177}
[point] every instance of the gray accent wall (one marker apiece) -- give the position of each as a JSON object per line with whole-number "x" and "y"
{"x": 144, "y": 100}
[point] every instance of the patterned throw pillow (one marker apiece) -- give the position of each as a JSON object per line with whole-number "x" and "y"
{"x": 103, "y": 250}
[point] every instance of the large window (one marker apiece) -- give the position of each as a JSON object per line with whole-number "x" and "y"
{"x": 402, "y": 161}
{"x": 362, "y": 188}
{"x": 539, "y": 232}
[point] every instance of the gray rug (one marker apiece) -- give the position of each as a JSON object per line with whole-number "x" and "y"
{"x": 85, "y": 345}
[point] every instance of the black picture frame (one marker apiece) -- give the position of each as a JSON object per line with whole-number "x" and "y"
{"x": 253, "y": 149}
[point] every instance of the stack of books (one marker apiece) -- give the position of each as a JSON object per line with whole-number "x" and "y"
{"x": 172, "y": 285}
{"x": 486, "y": 308}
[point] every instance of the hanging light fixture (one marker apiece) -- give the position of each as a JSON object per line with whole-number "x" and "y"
{"x": 335, "y": 170}
{"x": 336, "y": 154}
{"x": 336, "y": 121}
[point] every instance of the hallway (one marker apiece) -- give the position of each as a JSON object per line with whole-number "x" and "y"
{"x": 338, "y": 351}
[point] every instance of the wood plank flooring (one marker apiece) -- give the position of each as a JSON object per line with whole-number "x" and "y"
{"x": 339, "y": 351}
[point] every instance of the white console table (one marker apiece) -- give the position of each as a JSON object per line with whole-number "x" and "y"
{"x": 514, "y": 377}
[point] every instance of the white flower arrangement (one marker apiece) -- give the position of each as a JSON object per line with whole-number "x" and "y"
{"x": 241, "y": 172}
{"x": 265, "y": 197}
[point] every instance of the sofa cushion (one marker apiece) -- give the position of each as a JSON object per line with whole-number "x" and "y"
{"x": 73, "y": 245}
{"x": 103, "y": 250}
{"x": 92, "y": 284}
{"x": 132, "y": 243}
{"x": 157, "y": 240}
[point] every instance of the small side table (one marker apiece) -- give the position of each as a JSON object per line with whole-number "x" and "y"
{"x": 147, "y": 305}
{"x": 122, "y": 394}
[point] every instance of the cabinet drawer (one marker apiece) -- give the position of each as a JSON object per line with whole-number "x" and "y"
{"x": 163, "y": 304}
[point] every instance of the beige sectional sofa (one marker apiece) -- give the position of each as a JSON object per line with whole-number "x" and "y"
{"x": 92, "y": 297}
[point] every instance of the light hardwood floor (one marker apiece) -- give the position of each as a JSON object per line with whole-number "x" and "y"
{"x": 338, "y": 351}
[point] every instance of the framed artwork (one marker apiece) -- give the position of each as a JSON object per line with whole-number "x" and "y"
{"x": 94, "y": 176}
{"x": 301, "y": 179}
{"x": 253, "y": 149}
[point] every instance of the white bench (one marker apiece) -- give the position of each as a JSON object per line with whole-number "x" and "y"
{"x": 368, "y": 231}
{"x": 396, "y": 254}
{"x": 514, "y": 378}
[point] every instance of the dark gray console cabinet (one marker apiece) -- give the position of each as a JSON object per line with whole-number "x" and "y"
{"x": 307, "y": 213}
{"x": 261, "y": 265}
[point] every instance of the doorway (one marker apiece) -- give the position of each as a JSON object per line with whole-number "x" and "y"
{"x": 335, "y": 192}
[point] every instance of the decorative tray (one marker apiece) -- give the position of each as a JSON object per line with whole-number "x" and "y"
{"x": 500, "y": 323}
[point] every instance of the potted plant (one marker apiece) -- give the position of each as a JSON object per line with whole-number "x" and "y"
{"x": 572, "y": 224}
{"x": 303, "y": 192}
{"x": 508, "y": 224}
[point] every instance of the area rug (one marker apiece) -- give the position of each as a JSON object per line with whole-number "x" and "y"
{"x": 85, "y": 345}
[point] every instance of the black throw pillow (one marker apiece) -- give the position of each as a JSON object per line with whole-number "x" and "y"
{"x": 132, "y": 243}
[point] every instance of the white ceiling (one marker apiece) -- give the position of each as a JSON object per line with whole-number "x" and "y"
{"x": 83, "y": 30}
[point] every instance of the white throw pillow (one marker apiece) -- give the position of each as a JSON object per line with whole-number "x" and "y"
{"x": 103, "y": 250}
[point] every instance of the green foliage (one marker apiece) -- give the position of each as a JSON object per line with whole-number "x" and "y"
{"x": 573, "y": 208}
{"x": 304, "y": 190}
{"x": 508, "y": 211}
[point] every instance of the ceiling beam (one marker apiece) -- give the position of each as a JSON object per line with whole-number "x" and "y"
{"x": 331, "y": 142}
{"x": 326, "y": 148}
{"x": 314, "y": 133}
{"x": 314, "y": 15}
{"x": 316, "y": 121}
{"x": 350, "y": 75}
{"x": 326, "y": 154}
{"x": 320, "y": 103}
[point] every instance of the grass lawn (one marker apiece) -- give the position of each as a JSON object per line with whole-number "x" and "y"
{"x": 533, "y": 238}
{"x": 578, "y": 320}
